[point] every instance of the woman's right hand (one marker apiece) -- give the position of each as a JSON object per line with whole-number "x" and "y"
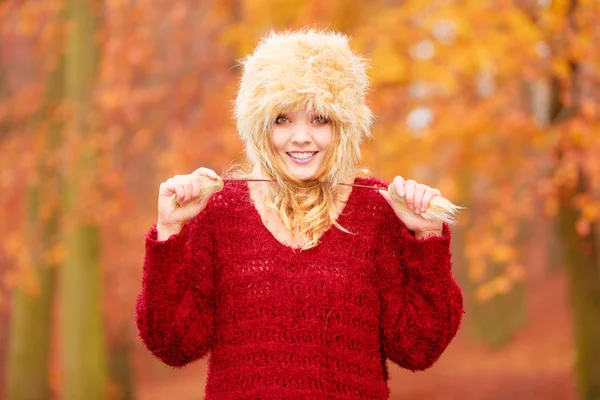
{"x": 177, "y": 201}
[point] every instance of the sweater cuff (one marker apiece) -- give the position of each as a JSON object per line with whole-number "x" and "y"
{"x": 164, "y": 254}
{"x": 177, "y": 238}
{"x": 431, "y": 253}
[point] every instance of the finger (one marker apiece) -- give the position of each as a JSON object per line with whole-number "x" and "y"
{"x": 395, "y": 207}
{"x": 169, "y": 184}
{"x": 195, "y": 188}
{"x": 410, "y": 193}
{"x": 166, "y": 189}
{"x": 206, "y": 172}
{"x": 427, "y": 198}
{"x": 399, "y": 185}
{"x": 180, "y": 191}
{"x": 419, "y": 193}
{"x": 386, "y": 195}
{"x": 171, "y": 187}
{"x": 187, "y": 187}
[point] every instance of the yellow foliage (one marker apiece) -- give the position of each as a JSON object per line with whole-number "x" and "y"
{"x": 477, "y": 271}
{"x": 472, "y": 250}
{"x": 499, "y": 285}
{"x": 502, "y": 284}
{"x": 561, "y": 68}
{"x": 389, "y": 67}
{"x": 484, "y": 293}
{"x": 502, "y": 254}
{"x": 498, "y": 218}
{"x": 591, "y": 211}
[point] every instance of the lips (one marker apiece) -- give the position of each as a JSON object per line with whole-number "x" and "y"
{"x": 303, "y": 153}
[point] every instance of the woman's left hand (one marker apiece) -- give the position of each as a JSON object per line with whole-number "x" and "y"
{"x": 417, "y": 197}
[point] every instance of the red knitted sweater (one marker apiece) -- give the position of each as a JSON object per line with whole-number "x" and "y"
{"x": 288, "y": 324}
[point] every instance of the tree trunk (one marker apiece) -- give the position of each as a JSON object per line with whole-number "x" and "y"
{"x": 85, "y": 370}
{"x": 581, "y": 252}
{"x": 581, "y": 255}
{"x": 120, "y": 365}
{"x": 30, "y": 335}
{"x": 30, "y": 330}
{"x": 84, "y": 354}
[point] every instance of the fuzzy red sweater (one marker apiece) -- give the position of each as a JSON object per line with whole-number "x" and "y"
{"x": 289, "y": 324}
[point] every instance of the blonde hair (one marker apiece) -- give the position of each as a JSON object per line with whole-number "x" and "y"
{"x": 306, "y": 208}
{"x": 316, "y": 70}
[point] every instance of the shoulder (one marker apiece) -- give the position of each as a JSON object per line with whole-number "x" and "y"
{"x": 370, "y": 196}
{"x": 371, "y": 200}
{"x": 380, "y": 211}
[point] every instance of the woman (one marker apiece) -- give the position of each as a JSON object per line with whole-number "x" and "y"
{"x": 299, "y": 286}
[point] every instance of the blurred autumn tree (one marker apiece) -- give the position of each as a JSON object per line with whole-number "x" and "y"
{"x": 495, "y": 103}
{"x": 576, "y": 96}
{"x": 29, "y": 350}
{"x": 83, "y": 343}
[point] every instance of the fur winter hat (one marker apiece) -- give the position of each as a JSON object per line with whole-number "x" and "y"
{"x": 307, "y": 68}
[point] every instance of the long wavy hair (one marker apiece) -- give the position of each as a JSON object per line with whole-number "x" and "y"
{"x": 318, "y": 71}
{"x": 306, "y": 208}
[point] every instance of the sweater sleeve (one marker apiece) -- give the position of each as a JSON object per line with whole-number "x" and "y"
{"x": 422, "y": 305}
{"x": 175, "y": 308}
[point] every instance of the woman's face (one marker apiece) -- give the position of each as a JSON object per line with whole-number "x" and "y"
{"x": 301, "y": 140}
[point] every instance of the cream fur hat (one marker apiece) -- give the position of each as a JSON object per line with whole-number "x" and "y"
{"x": 310, "y": 68}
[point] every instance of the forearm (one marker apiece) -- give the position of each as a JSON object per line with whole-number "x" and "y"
{"x": 175, "y": 333}
{"x": 423, "y": 305}
{"x": 164, "y": 231}
{"x": 175, "y": 307}
{"x": 420, "y": 324}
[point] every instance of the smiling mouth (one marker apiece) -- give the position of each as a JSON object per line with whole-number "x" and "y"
{"x": 302, "y": 155}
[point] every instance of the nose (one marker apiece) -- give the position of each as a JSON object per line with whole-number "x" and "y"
{"x": 301, "y": 133}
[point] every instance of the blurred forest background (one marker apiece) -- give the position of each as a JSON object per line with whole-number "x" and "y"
{"x": 496, "y": 103}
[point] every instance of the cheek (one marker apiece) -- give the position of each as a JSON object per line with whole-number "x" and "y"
{"x": 325, "y": 137}
{"x": 278, "y": 138}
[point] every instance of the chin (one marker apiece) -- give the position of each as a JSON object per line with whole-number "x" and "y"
{"x": 302, "y": 176}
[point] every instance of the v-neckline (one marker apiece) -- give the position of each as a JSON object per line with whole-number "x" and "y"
{"x": 328, "y": 232}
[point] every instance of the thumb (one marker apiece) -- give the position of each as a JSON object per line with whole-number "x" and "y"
{"x": 388, "y": 198}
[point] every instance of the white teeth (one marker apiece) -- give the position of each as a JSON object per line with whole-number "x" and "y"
{"x": 303, "y": 156}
